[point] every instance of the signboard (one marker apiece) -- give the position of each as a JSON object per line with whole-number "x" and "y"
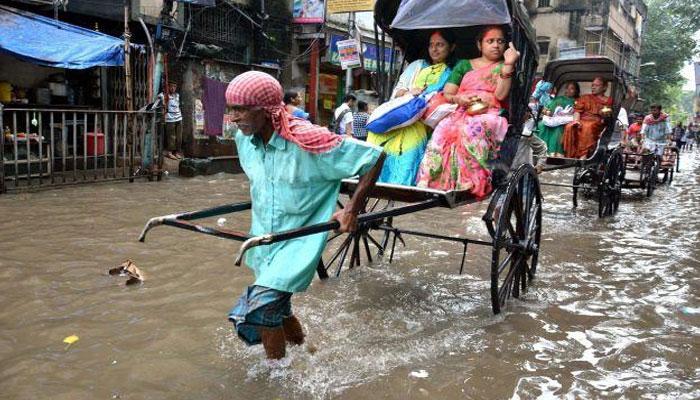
{"x": 344, "y": 6}
{"x": 349, "y": 53}
{"x": 370, "y": 54}
{"x": 327, "y": 84}
{"x": 308, "y": 11}
{"x": 198, "y": 115}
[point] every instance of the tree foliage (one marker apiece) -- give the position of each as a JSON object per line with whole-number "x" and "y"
{"x": 668, "y": 43}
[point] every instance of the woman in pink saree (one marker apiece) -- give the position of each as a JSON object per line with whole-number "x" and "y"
{"x": 458, "y": 153}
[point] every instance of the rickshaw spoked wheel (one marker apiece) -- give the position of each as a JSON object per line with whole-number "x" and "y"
{"x": 582, "y": 183}
{"x": 347, "y": 249}
{"x": 652, "y": 174}
{"x": 516, "y": 240}
{"x": 610, "y": 187}
{"x": 575, "y": 184}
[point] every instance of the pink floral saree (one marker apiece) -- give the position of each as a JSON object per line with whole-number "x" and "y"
{"x": 458, "y": 153}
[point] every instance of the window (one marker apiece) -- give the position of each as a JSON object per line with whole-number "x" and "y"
{"x": 543, "y": 3}
{"x": 544, "y": 47}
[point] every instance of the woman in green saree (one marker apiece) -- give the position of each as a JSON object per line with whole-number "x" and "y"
{"x": 552, "y": 135}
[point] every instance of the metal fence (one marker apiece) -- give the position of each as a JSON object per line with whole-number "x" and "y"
{"x": 53, "y": 147}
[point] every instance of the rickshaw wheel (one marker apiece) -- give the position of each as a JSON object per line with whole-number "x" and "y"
{"x": 582, "y": 183}
{"x": 575, "y": 185}
{"x": 353, "y": 245}
{"x": 652, "y": 174}
{"x": 517, "y": 237}
{"x": 610, "y": 188}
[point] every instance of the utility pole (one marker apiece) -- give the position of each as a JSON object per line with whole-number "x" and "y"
{"x": 313, "y": 80}
{"x": 348, "y": 72}
{"x": 127, "y": 57}
{"x": 127, "y": 87}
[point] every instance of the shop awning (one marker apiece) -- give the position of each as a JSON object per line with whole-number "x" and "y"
{"x": 53, "y": 43}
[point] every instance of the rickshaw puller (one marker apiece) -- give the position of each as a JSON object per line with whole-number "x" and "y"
{"x": 656, "y": 129}
{"x": 295, "y": 169}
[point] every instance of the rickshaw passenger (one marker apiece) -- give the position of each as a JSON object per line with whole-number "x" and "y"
{"x": 655, "y": 129}
{"x": 458, "y": 152}
{"x": 581, "y": 136}
{"x": 405, "y": 146}
{"x": 632, "y": 138}
{"x": 633, "y": 133}
{"x": 558, "y": 106}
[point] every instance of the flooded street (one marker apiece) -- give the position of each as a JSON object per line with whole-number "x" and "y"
{"x": 614, "y": 311}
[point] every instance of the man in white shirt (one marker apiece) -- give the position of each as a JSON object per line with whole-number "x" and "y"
{"x": 342, "y": 117}
{"x": 173, "y": 124}
{"x": 655, "y": 129}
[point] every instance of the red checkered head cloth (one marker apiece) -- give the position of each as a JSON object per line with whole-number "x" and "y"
{"x": 650, "y": 120}
{"x": 258, "y": 89}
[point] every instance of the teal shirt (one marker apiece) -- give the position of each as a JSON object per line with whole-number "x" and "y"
{"x": 291, "y": 188}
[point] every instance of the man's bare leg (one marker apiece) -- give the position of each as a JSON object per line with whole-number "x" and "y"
{"x": 273, "y": 342}
{"x": 292, "y": 330}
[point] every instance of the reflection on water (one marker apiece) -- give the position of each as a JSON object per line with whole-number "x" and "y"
{"x": 614, "y": 310}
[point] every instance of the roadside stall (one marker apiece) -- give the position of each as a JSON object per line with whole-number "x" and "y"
{"x": 56, "y": 125}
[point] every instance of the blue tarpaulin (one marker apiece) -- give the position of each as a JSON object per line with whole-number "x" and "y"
{"x": 53, "y": 43}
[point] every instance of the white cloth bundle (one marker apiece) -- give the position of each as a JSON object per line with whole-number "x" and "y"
{"x": 561, "y": 116}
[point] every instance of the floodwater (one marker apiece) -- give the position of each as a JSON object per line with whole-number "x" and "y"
{"x": 614, "y": 311}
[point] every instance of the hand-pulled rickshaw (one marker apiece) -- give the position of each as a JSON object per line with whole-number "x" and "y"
{"x": 513, "y": 216}
{"x": 641, "y": 171}
{"x": 645, "y": 170}
{"x": 670, "y": 163}
{"x": 600, "y": 175}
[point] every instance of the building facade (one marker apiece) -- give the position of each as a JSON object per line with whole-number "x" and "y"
{"x": 580, "y": 28}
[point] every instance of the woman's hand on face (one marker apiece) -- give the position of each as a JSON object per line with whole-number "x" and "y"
{"x": 511, "y": 55}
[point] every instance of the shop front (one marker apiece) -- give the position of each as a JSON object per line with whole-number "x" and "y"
{"x": 56, "y": 119}
{"x": 332, "y": 78}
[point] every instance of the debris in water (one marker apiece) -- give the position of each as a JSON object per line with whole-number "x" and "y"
{"x": 129, "y": 269}
{"x": 311, "y": 348}
{"x": 421, "y": 374}
{"x": 69, "y": 340}
{"x": 221, "y": 221}
{"x": 690, "y": 310}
